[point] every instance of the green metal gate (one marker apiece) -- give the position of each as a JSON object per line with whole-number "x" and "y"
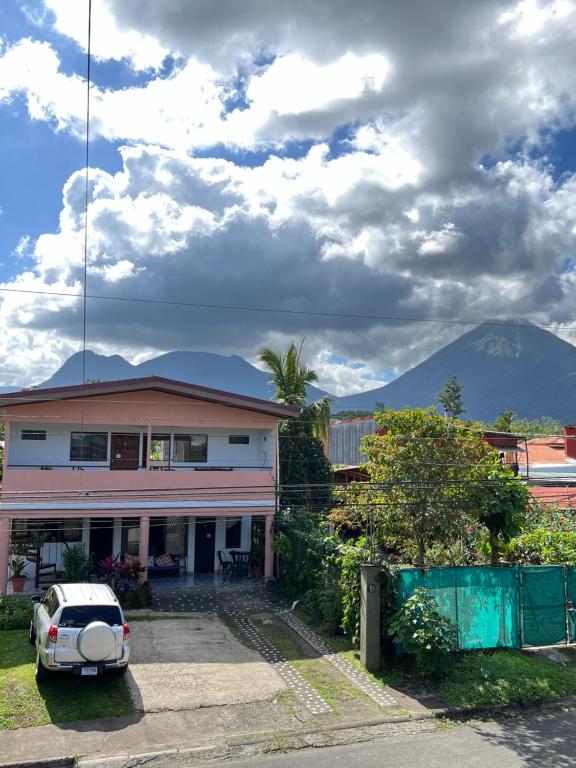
{"x": 543, "y": 605}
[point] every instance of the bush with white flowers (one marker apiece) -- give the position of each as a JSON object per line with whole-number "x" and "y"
{"x": 420, "y": 630}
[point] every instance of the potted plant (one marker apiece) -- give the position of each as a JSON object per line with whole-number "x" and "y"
{"x": 18, "y": 578}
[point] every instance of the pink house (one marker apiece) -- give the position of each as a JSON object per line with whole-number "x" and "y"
{"x": 145, "y": 467}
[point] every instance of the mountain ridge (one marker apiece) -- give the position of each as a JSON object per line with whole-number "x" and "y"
{"x": 502, "y": 366}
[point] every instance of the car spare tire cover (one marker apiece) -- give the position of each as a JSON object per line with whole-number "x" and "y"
{"x": 97, "y": 641}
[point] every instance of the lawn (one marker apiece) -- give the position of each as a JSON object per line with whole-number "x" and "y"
{"x": 25, "y": 703}
{"x": 478, "y": 678}
{"x": 505, "y": 677}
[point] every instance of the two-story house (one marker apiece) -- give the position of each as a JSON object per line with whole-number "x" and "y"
{"x": 144, "y": 466}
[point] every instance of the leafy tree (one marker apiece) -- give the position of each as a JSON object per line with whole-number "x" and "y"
{"x": 450, "y": 398}
{"x": 290, "y": 377}
{"x": 345, "y": 415}
{"x": 504, "y": 422}
{"x": 424, "y": 475}
{"x": 534, "y": 427}
{"x": 501, "y": 506}
{"x": 304, "y": 471}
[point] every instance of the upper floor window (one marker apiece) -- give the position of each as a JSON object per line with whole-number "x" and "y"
{"x": 190, "y": 447}
{"x": 89, "y": 446}
{"x": 238, "y": 439}
{"x": 33, "y": 434}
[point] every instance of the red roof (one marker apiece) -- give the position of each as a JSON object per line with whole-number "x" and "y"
{"x": 554, "y": 495}
{"x": 545, "y": 450}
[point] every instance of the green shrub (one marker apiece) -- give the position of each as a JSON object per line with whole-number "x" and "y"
{"x": 77, "y": 564}
{"x": 423, "y": 633}
{"x": 15, "y": 612}
{"x": 544, "y": 547}
{"x": 138, "y": 596}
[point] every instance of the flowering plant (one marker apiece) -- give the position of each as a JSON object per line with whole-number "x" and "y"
{"x": 423, "y": 633}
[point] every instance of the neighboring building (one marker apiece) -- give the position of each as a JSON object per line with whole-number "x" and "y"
{"x": 345, "y": 437}
{"x": 142, "y": 467}
{"x": 552, "y": 465}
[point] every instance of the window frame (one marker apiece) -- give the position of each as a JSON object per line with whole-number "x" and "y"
{"x": 27, "y": 435}
{"x": 238, "y": 439}
{"x": 181, "y": 439}
{"x": 85, "y": 435}
{"x": 230, "y": 524}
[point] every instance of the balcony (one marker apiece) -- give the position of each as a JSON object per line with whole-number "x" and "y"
{"x": 205, "y": 482}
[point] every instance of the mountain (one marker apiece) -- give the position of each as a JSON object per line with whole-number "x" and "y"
{"x": 501, "y": 366}
{"x": 231, "y": 373}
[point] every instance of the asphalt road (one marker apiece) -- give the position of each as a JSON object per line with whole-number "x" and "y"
{"x": 538, "y": 741}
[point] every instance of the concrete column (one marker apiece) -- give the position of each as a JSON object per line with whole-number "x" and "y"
{"x": 5, "y": 531}
{"x": 144, "y": 543}
{"x": 268, "y": 553}
{"x": 370, "y": 617}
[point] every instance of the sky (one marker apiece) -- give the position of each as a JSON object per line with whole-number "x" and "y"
{"x": 371, "y": 170}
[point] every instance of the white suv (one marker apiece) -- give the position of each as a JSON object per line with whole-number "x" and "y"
{"x": 79, "y": 628}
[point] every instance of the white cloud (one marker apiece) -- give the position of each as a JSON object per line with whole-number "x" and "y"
{"x": 108, "y": 41}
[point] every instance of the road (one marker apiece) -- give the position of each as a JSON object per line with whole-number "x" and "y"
{"x": 546, "y": 741}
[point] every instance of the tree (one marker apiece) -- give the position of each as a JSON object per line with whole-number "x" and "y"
{"x": 290, "y": 377}
{"x": 504, "y": 422}
{"x": 423, "y": 479}
{"x": 304, "y": 471}
{"x": 501, "y": 506}
{"x": 450, "y": 398}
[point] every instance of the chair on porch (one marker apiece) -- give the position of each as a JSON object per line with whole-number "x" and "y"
{"x": 224, "y": 564}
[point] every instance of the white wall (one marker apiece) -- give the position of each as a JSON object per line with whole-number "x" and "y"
{"x": 55, "y": 450}
{"x": 220, "y": 540}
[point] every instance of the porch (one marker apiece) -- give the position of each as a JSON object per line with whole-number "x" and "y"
{"x": 182, "y": 548}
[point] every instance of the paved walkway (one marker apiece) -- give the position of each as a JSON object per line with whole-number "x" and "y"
{"x": 215, "y": 595}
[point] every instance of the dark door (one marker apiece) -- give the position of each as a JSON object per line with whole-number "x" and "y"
{"x": 124, "y": 451}
{"x": 204, "y": 546}
{"x": 101, "y": 532}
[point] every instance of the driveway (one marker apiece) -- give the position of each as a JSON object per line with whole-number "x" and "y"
{"x": 183, "y": 664}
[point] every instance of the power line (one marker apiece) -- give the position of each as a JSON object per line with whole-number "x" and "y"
{"x": 276, "y": 310}
{"x": 86, "y": 192}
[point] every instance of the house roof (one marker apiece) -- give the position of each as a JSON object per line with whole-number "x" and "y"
{"x": 546, "y": 450}
{"x": 555, "y": 495}
{"x": 158, "y": 383}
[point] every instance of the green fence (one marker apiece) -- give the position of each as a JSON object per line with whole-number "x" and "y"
{"x": 501, "y": 607}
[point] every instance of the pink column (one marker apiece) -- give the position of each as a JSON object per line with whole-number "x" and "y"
{"x": 5, "y": 530}
{"x": 144, "y": 542}
{"x": 148, "y": 447}
{"x": 6, "y": 443}
{"x": 268, "y": 553}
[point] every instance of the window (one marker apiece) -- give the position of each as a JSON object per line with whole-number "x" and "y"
{"x": 81, "y": 615}
{"x": 89, "y": 446}
{"x": 190, "y": 447}
{"x": 238, "y": 439}
{"x": 55, "y": 531}
{"x": 50, "y": 602}
{"x": 233, "y": 533}
{"x": 33, "y": 434}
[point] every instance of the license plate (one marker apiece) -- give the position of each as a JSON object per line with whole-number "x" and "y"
{"x": 89, "y": 671}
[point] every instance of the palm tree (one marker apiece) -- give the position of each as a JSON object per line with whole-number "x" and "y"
{"x": 290, "y": 377}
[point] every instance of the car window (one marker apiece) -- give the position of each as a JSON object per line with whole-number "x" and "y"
{"x": 81, "y": 615}
{"x": 50, "y": 602}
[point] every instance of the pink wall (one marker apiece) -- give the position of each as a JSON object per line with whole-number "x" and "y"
{"x": 140, "y": 409}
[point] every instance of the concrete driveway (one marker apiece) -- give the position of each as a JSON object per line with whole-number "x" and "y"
{"x": 182, "y": 664}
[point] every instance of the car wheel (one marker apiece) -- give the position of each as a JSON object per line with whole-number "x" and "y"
{"x": 41, "y": 671}
{"x": 32, "y": 635}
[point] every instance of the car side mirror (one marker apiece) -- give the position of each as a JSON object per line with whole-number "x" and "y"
{"x": 37, "y": 598}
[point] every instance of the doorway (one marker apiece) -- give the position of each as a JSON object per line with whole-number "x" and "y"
{"x": 101, "y": 537}
{"x": 124, "y": 451}
{"x": 204, "y": 545}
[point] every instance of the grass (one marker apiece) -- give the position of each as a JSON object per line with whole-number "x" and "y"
{"x": 25, "y": 703}
{"x": 336, "y": 690}
{"x": 478, "y": 678}
{"x": 505, "y": 677}
{"x": 337, "y": 642}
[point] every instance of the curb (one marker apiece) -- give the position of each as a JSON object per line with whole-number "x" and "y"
{"x": 48, "y": 762}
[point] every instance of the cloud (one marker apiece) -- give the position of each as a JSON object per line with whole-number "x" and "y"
{"x": 400, "y": 169}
